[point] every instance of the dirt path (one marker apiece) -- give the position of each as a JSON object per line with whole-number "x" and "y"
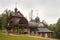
{"x": 33, "y": 36}
{"x": 43, "y": 38}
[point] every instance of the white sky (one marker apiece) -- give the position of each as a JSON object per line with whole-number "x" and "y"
{"x": 49, "y": 10}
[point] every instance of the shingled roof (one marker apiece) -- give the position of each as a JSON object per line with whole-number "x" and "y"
{"x": 33, "y": 24}
{"x": 44, "y": 30}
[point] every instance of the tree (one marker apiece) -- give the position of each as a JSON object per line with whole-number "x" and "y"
{"x": 0, "y": 23}
{"x": 4, "y": 19}
{"x": 45, "y": 24}
{"x": 58, "y": 29}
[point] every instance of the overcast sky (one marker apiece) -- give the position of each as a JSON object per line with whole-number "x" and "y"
{"x": 48, "y": 10}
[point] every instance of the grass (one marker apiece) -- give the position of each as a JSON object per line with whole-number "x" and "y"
{"x": 4, "y": 36}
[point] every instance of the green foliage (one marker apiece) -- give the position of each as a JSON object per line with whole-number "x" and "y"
{"x": 58, "y": 28}
{"x": 55, "y": 28}
{"x": 4, "y": 19}
{"x": 0, "y": 23}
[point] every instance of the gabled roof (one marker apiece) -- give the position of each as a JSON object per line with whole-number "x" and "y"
{"x": 16, "y": 13}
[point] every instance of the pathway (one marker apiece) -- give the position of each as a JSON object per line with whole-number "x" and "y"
{"x": 33, "y": 36}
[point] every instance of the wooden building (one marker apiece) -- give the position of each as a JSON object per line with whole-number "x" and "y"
{"x": 18, "y": 24}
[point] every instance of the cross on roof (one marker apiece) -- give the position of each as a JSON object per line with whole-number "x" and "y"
{"x": 16, "y": 5}
{"x": 37, "y": 12}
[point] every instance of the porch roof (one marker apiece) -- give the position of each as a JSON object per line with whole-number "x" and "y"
{"x": 44, "y": 30}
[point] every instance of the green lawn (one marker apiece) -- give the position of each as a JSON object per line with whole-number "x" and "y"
{"x": 8, "y": 37}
